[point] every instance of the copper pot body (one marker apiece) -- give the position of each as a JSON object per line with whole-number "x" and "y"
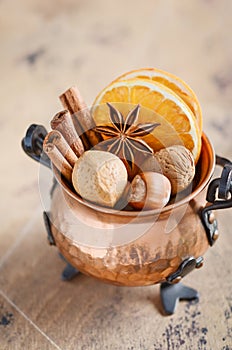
{"x": 153, "y": 255}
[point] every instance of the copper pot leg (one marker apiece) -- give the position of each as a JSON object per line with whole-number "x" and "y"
{"x": 172, "y": 291}
{"x": 69, "y": 271}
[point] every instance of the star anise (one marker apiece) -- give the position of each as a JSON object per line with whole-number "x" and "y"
{"x": 123, "y": 137}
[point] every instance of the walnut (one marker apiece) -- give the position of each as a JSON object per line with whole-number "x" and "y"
{"x": 176, "y": 163}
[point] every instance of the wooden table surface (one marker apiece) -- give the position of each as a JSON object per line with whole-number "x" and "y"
{"x": 47, "y": 47}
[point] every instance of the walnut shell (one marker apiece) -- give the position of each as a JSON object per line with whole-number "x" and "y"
{"x": 176, "y": 163}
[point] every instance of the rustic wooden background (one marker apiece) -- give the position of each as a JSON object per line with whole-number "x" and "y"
{"x": 45, "y": 48}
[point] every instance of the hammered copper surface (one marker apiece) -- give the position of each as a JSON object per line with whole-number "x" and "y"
{"x": 150, "y": 258}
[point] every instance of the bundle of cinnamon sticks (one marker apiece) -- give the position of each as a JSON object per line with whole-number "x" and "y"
{"x": 73, "y": 133}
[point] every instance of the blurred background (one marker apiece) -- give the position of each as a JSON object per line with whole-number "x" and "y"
{"x": 46, "y": 47}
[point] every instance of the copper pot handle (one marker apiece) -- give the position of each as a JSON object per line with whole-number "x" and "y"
{"x": 219, "y": 196}
{"x": 32, "y": 144}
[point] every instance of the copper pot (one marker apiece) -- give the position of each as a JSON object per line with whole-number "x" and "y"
{"x": 129, "y": 248}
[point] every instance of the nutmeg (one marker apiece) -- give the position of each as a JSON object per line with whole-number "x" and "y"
{"x": 176, "y": 163}
{"x": 99, "y": 177}
{"x": 149, "y": 190}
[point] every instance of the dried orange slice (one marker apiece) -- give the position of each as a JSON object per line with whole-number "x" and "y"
{"x": 159, "y": 104}
{"x": 172, "y": 82}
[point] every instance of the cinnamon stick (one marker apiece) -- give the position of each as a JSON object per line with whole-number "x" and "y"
{"x": 82, "y": 118}
{"x": 56, "y": 138}
{"x": 62, "y": 122}
{"x": 57, "y": 159}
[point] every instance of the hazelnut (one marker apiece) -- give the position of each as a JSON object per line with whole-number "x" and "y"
{"x": 149, "y": 190}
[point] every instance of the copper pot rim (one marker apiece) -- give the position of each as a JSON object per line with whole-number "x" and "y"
{"x": 207, "y": 143}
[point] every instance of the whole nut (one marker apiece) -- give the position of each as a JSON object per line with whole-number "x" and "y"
{"x": 149, "y": 190}
{"x": 99, "y": 177}
{"x": 176, "y": 163}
